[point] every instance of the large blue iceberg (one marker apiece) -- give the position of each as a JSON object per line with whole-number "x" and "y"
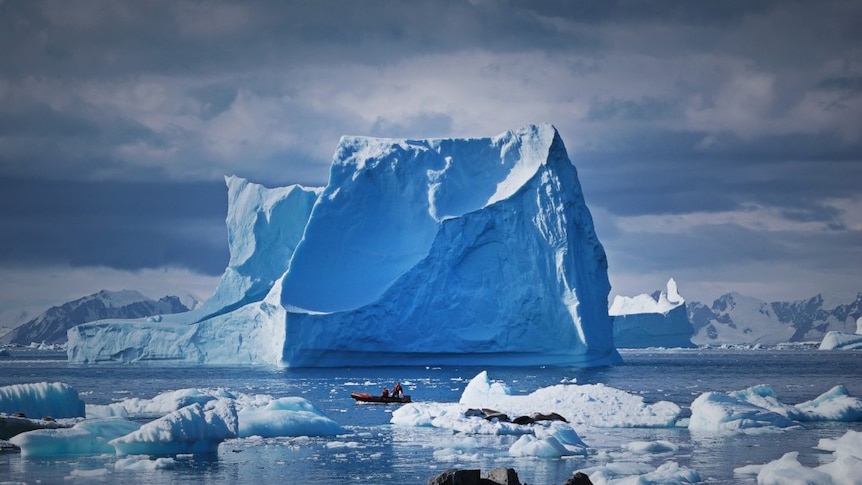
{"x": 417, "y": 252}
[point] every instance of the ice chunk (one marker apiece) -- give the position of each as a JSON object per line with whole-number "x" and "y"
{"x": 89, "y": 437}
{"x": 547, "y": 447}
{"x": 193, "y": 429}
{"x": 287, "y": 416}
{"x": 716, "y": 412}
{"x": 57, "y": 400}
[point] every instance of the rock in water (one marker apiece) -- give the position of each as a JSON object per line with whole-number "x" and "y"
{"x": 443, "y": 251}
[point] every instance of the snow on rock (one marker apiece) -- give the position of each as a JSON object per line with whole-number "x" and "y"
{"x": 643, "y": 321}
{"x": 57, "y": 400}
{"x": 89, "y": 437}
{"x": 287, "y": 416}
{"x": 757, "y": 409}
{"x": 845, "y": 468}
{"x": 193, "y": 429}
{"x": 440, "y": 251}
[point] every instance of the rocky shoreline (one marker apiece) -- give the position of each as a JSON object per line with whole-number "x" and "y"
{"x": 497, "y": 476}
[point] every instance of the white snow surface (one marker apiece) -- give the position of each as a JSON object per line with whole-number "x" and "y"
{"x": 37, "y": 400}
{"x": 441, "y": 251}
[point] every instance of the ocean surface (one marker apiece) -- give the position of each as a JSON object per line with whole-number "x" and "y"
{"x": 377, "y": 452}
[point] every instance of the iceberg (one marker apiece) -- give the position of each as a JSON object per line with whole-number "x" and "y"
{"x": 474, "y": 251}
{"x": 643, "y": 321}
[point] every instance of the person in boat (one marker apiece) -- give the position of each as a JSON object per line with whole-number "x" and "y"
{"x": 397, "y": 391}
{"x": 385, "y": 392}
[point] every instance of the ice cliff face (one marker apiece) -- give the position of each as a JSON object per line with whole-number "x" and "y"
{"x": 646, "y": 321}
{"x": 478, "y": 251}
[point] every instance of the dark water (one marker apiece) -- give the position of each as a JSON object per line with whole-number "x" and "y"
{"x": 376, "y": 452}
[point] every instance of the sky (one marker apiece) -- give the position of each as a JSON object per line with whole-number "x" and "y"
{"x": 718, "y": 143}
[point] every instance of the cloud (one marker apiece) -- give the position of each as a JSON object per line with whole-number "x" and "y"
{"x": 129, "y": 226}
{"x": 741, "y": 119}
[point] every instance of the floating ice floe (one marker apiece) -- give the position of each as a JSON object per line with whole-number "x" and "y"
{"x": 192, "y": 429}
{"x": 189, "y": 421}
{"x": 668, "y": 473}
{"x": 89, "y": 437}
{"x": 547, "y": 436}
{"x": 588, "y": 404}
{"x": 757, "y": 409}
{"x": 287, "y": 416}
{"x": 845, "y": 468}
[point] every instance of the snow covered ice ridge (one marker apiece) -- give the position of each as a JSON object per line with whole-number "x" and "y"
{"x": 418, "y": 252}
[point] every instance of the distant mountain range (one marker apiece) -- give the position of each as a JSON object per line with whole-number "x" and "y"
{"x": 737, "y": 319}
{"x": 731, "y": 319}
{"x": 51, "y": 325}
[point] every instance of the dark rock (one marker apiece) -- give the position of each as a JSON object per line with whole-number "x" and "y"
{"x": 456, "y": 477}
{"x": 579, "y": 479}
{"x": 502, "y": 476}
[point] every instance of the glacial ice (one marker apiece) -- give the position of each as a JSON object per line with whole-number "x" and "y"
{"x": 90, "y": 437}
{"x": 757, "y": 410}
{"x": 187, "y": 421}
{"x": 37, "y": 400}
{"x": 643, "y": 321}
{"x": 842, "y": 340}
{"x": 192, "y": 429}
{"x": 287, "y": 416}
{"x": 417, "y": 252}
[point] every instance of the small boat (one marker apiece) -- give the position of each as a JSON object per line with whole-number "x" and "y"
{"x": 365, "y": 397}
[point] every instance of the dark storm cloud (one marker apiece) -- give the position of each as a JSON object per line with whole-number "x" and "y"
{"x": 118, "y": 224}
{"x": 669, "y": 108}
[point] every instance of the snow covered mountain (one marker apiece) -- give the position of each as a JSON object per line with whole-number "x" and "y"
{"x": 441, "y": 251}
{"x": 737, "y": 319}
{"x": 51, "y": 326}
